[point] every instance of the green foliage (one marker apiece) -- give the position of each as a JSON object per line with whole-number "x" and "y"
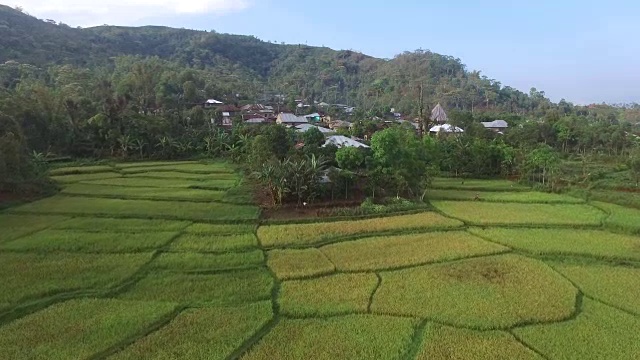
{"x": 79, "y": 328}
{"x": 17, "y": 168}
{"x": 313, "y": 138}
{"x": 381, "y": 253}
{"x": 201, "y": 334}
{"x": 348, "y": 337}
{"x": 401, "y": 158}
{"x": 486, "y": 293}
{"x": 350, "y": 158}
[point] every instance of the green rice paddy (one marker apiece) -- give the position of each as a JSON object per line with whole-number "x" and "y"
{"x": 169, "y": 260}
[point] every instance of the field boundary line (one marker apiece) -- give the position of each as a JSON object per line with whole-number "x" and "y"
{"x": 373, "y": 293}
{"x": 416, "y": 340}
{"x": 253, "y": 340}
{"x": 155, "y": 326}
{"x": 526, "y": 345}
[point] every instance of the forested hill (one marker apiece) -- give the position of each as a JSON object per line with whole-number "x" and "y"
{"x": 192, "y": 65}
{"x": 245, "y": 64}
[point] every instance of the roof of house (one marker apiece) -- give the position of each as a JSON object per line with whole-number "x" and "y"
{"x": 343, "y": 141}
{"x": 448, "y": 128}
{"x": 255, "y": 121}
{"x": 312, "y": 115}
{"x": 496, "y": 124}
{"x": 214, "y": 101}
{"x": 438, "y": 114}
{"x": 229, "y": 108}
{"x": 307, "y": 127}
{"x": 287, "y": 118}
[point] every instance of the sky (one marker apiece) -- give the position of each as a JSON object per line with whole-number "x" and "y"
{"x": 583, "y": 51}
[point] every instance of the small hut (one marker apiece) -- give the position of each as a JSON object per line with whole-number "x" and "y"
{"x": 438, "y": 115}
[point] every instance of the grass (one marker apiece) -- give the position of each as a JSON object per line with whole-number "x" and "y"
{"x": 210, "y": 243}
{"x": 145, "y": 164}
{"x": 80, "y": 170}
{"x": 141, "y": 182}
{"x": 525, "y": 197}
{"x": 314, "y": 233}
{"x": 595, "y": 243}
{"x": 229, "y": 288}
{"x": 78, "y": 329}
{"x": 71, "y": 240}
{"x": 348, "y": 337}
{"x": 488, "y": 293}
{"x": 201, "y": 334}
{"x": 380, "y": 253}
{"x": 599, "y": 332}
{"x": 185, "y": 176}
{"x": 207, "y": 262}
{"x": 120, "y": 225}
{"x": 222, "y": 229}
{"x": 291, "y": 264}
{"x": 143, "y": 193}
{"x": 15, "y": 226}
{"x": 485, "y": 213}
{"x": 28, "y": 276}
{"x": 196, "y": 168}
{"x": 82, "y": 206}
{"x": 329, "y": 295}
{"x": 67, "y": 179}
{"x": 447, "y": 343}
{"x": 621, "y": 218}
{"x": 608, "y": 284}
{"x": 476, "y": 185}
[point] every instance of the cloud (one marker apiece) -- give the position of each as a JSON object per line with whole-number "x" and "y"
{"x": 124, "y": 12}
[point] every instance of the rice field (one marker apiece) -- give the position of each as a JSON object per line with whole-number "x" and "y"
{"x": 299, "y": 263}
{"x": 329, "y": 295}
{"x": 488, "y": 293}
{"x": 525, "y": 197}
{"x": 78, "y": 328}
{"x": 598, "y": 332}
{"x": 596, "y": 243}
{"x": 314, "y": 233}
{"x": 169, "y": 260}
{"x": 382, "y": 253}
{"x": 486, "y": 213}
{"x": 201, "y": 334}
{"x": 448, "y": 343}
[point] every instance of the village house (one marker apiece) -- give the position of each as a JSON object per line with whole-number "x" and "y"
{"x": 498, "y": 126}
{"x": 342, "y": 141}
{"x": 212, "y": 103}
{"x": 290, "y": 119}
{"x": 302, "y": 128}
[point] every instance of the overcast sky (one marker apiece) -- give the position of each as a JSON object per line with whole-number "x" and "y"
{"x": 584, "y": 51}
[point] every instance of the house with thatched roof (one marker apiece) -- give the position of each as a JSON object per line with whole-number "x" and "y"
{"x": 438, "y": 114}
